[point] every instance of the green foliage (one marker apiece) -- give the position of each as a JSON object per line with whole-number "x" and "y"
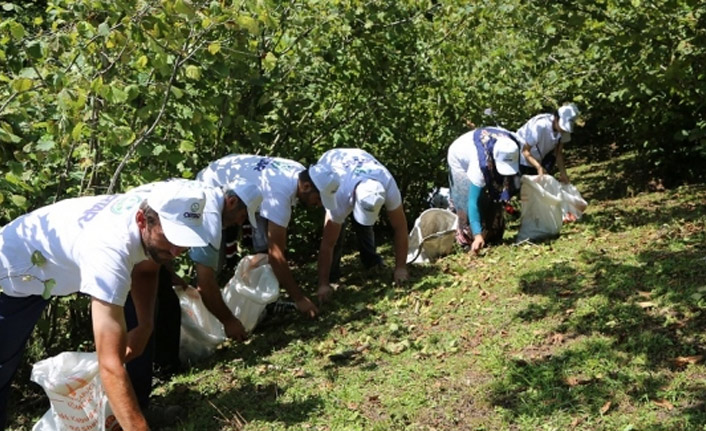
{"x": 97, "y": 96}
{"x": 104, "y": 95}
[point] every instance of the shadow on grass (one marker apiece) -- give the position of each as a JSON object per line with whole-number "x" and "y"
{"x": 617, "y": 218}
{"x": 248, "y": 401}
{"x": 648, "y": 310}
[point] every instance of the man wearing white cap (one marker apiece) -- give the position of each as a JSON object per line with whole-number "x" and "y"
{"x": 482, "y": 164}
{"x": 366, "y": 185}
{"x": 283, "y": 183}
{"x": 543, "y": 138}
{"x": 225, "y": 206}
{"x": 102, "y": 246}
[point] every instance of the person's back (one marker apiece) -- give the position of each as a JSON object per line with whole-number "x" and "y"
{"x": 276, "y": 177}
{"x": 60, "y": 242}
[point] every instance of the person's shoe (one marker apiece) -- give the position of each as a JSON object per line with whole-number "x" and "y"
{"x": 163, "y": 416}
{"x": 280, "y": 307}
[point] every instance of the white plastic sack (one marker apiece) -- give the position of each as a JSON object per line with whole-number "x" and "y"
{"x": 541, "y": 208}
{"x": 252, "y": 287}
{"x": 201, "y": 331}
{"x": 432, "y": 235}
{"x": 78, "y": 401}
{"x": 572, "y": 204}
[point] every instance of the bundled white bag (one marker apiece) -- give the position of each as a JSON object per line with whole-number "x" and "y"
{"x": 432, "y": 235}
{"x": 74, "y": 388}
{"x": 252, "y": 287}
{"x": 572, "y": 203}
{"x": 541, "y": 208}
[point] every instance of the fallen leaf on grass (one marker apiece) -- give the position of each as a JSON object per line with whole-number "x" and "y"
{"x": 606, "y": 407}
{"x": 575, "y": 422}
{"x": 396, "y": 348}
{"x": 646, "y": 304}
{"x": 557, "y": 338}
{"x": 664, "y": 404}
{"x": 644, "y": 294}
{"x": 300, "y": 373}
{"x": 577, "y": 380}
{"x": 682, "y": 361}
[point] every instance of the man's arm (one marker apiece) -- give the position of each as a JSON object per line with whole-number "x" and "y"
{"x": 111, "y": 345}
{"x": 559, "y": 154}
{"x": 398, "y": 221}
{"x": 526, "y": 151}
{"x": 213, "y": 300}
{"x": 144, "y": 293}
{"x": 332, "y": 231}
{"x": 276, "y": 246}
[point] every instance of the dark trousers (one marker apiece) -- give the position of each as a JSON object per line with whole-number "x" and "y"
{"x": 163, "y": 346}
{"x": 365, "y": 241}
{"x": 18, "y": 316}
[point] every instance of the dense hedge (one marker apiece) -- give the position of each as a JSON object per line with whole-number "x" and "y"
{"x": 101, "y": 95}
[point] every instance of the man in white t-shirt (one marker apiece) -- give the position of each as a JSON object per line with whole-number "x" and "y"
{"x": 225, "y": 206}
{"x": 366, "y": 185}
{"x": 105, "y": 247}
{"x": 543, "y": 137}
{"x": 283, "y": 183}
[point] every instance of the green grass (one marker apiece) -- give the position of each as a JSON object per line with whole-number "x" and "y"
{"x": 597, "y": 330}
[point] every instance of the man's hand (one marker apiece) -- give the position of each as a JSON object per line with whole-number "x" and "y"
{"x": 401, "y": 275}
{"x": 306, "y": 307}
{"x": 235, "y": 330}
{"x": 478, "y": 243}
{"x": 324, "y": 293}
{"x": 137, "y": 340}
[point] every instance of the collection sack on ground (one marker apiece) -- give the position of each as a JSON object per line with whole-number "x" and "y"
{"x": 78, "y": 400}
{"x": 573, "y": 204}
{"x": 546, "y": 205}
{"x": 432, "y": 235}
{"x": 252, "y": 287}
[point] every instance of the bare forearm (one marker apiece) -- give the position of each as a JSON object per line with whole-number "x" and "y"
{"x": 324, "y": 264}
{"x": 122, "y": 398}
{"x": 285, "y": 277}
{"x": 401, "y": 248}
{"x": 213, "y": 300}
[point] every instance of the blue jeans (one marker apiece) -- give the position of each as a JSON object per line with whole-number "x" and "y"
{"x": 18, "y": 316}
{"x": 365, "y": 240}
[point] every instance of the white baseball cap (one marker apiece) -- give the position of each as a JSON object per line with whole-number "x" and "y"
{"x": 250, "y": 195}
{"x": 327, "y": 182}
{"x": 506, "y": 154}
{"x": 180, "y": 208}
{"x": 369, "y": 198}
{"x": 567, "y": 116}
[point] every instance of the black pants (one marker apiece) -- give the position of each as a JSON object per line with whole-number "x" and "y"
{"x": 365, "y": 240}
{"x": 162, "y": 349}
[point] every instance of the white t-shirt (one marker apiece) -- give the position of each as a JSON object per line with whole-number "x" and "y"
{"x": 276, "y": 177}
{"x": 463, "y": 156}
{"x": 354, "y": 165}
{"x": 90, "y": 245}
{"x": 538, "y": 132}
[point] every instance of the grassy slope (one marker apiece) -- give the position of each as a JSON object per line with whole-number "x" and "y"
{"x": 594, "y": 331}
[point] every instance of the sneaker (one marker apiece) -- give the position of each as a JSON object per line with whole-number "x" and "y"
{"x": 280, "y": 307}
